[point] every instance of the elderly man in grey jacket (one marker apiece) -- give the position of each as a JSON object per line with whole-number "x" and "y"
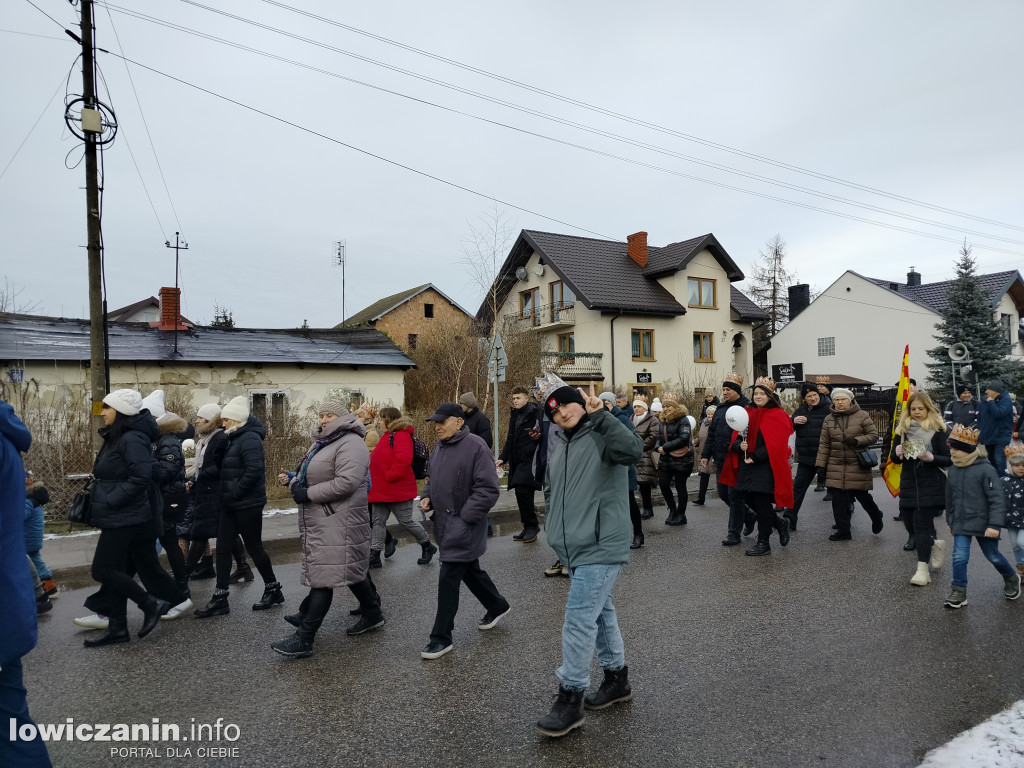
{"x": 463, "y": 487}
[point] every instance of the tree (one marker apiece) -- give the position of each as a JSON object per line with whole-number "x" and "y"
{"x": 969, "y": 319}
{"x": 11, "y": 301}
{"x": 222, "y": 317}
{"x": 768, "y": 287}
{"x": 447, "y": 356}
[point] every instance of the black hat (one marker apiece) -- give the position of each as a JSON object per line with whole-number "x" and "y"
{"x": 446, "y": 411}
{"x": 807, "y": 387}
{"x": 963, "y": 389}
{"x": 562, "y": 396}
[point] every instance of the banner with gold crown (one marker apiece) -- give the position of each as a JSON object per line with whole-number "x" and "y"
{"x": 891, "y": 473}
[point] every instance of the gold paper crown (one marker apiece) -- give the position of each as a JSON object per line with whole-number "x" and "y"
{"x": 964, "y": 434}
{"x": 765, "y": 381}
{"x": 822, "y": 380}
{"x": 734, "y": 377}
{"x": 1014, "y": 449}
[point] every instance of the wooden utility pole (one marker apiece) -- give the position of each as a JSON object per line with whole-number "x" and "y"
{"x": 91, "y": 129}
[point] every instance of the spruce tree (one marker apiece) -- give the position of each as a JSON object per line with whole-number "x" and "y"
{"x": 969, "y": 319}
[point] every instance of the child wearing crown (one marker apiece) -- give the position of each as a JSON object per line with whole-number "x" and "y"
{"x": 975, "y": 507}
{"x": 1013, "y": 487}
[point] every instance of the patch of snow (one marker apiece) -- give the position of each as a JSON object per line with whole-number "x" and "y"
{"x": 272, "y": 512}
{"x": 996, "y": 743}
{"x": 69, "y": 535}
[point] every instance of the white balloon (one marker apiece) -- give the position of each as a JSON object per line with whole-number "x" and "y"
{"x": 737, "y": 418}
{"x": 693, "y": 422}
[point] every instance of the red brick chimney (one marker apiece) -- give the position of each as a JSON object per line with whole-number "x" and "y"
{"x": 636, "y": 248}
{"x": 170, "y": 310}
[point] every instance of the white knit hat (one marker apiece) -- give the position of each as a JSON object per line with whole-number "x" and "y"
{"x": 210, "y": 412}
{"x": 124, "y": 401}
{"x": 236, "y": 410}
{"x": 656, "y": 406}
{"x": 154, "y": 401}
{"x": 641, "y": 403}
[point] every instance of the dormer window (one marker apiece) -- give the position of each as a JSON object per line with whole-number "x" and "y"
{"x": 701, "y": 293}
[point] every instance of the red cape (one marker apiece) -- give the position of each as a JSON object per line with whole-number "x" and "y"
{"x": 773, "y": 426}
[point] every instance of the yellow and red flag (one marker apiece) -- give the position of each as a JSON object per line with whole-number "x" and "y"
{"x": 891, "y": 473}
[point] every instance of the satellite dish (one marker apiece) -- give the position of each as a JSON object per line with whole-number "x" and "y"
{"x": 538, "y": 269}
{"x": 521, "y": 273}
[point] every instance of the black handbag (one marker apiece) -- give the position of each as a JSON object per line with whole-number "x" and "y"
{"x": 867, "y": 459}
{"x": 81, "y": 506}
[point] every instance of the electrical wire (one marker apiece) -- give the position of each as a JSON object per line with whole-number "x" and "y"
{"x": 579, "y": 126}
{"x": 45, "y": 13}
{"x": 33, "y": 128}
{"x": 32, "y": 34}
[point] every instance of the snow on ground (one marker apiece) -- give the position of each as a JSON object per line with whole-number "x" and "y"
{"x": 996, "y": 743}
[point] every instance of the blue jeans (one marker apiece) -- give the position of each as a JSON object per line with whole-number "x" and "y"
{"x": 1016, "y": 536}
{"x": 590, "y": 622}
{"x": 989, "y": 548}
{"x": 37, "y": 560}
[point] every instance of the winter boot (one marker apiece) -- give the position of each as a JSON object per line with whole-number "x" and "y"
{"x": 271, "y": 596}
{"x": 117, "y": 632}
{"x": 922, "y": 577}
{"x": 429, "y": 550}
{"x": 675, "y": 517}
{"x": 638, "y": 541}
{"x": 957, "y": 597}
{"x": 566, "y": 714}
{"x": 782, "y": 526}
{"x": 614, "y": 689}
{"x": 646, "y": 513}
{"x": 761, "y": 548}
{"x": 390, "y": 543}
{"x": 1011, "y": 588}
{"x": 218, "y": 606}
{"x": 242, "y": 573}
{"x": 294, "y": 646}
{"x": 911, "y": 544}
{"x": 938, "y": 554}
{"x": 375, "y": 559}
{"x": 203, "y": 569}
{"x": 152, "y": 609}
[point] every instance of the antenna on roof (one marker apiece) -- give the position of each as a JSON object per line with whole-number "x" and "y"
{"x": 338, "y": 260}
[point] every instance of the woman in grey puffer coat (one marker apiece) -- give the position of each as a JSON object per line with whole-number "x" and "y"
{"x": 334, "y": 526}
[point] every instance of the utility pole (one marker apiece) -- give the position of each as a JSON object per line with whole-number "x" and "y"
{"x": 178, "y": 246}
{"x": 338, "y": 260}
{"x": 91, "y": 129}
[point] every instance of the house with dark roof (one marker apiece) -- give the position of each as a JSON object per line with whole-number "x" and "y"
{"x": 860, "y": 325}
{"x": 403, "y": 316}
{"x": 631, "y": 316}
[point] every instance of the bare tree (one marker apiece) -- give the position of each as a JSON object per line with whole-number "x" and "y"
{"x": 769, "y": 282}
{"x": 11, "y": 300}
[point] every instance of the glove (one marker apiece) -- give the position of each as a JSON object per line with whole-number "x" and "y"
{"x": 899, "y": 451}
{"x": 926, "y": 456}
{"x": 850, "y": 441}
{"x": 300, "y": 494}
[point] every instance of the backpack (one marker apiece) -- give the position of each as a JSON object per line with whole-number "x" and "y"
{"x": 420, "y": 455}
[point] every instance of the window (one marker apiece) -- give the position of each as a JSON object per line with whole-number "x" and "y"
{"x": 566, "y": 348}
{"x": 561, "y": 295}
{"x": 701, "y": 292}
{"x": 529, "y": 305}
{"x": 643, "y": 344}
{"x": 826, "y": 346}
{"x": 270, "y": 407}
{"x": 428, "y": 310}
{"x": 703, "y": 348}
{"x": 1006, "y": 325}
{"x": 412, "y": 342}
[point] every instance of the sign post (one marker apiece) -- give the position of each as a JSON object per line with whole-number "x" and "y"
{"x": 496, "y": 364}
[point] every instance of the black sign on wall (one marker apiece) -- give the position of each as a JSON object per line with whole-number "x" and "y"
{"x": 645, "y": 378}
{"x": 788, "y": 372}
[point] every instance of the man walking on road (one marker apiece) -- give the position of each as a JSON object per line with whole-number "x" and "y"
{"x": 518, "y": 458}
{"x": 587, "y": 524}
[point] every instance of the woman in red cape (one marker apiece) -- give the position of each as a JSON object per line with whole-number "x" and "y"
{"x": 758, "y": 465}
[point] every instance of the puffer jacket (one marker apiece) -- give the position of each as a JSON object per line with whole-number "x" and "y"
{"x": 203, "y": 512}
{"x": 1013, "y": 489}
{"x": 17, "y": 596}
{"x": 808, "y": 435}
{"x": 720, "y": 433}
{"x": 519, "y": 450}
{"x": 586, "y": 513}
{"x": 463, "y": 487}
{"x": 995, "y": 420}
{"x": 974, "y": 498}
{"x": 840, "y": 460}
{"x": 391, "y": 475}
{"x": 334, "y": 525}
{"x": 647, "y": 430}
{"x": 674, "y": 434}
{"x": 124, "y": 492}
{"x": 923, "y": 483}
{"x": 169, "y": 469}
{"x": 35, "y": 516}
{"x": 242, "y": 469}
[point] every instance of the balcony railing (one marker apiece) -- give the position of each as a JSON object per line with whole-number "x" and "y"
{"x": 547, "y": 315}
{"x": 574, "y": 365}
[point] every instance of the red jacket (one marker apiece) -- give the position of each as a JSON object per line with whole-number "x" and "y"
{"x": 391, "y": 475}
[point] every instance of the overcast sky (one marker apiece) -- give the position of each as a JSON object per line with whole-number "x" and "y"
{"x": 920, "y": 100}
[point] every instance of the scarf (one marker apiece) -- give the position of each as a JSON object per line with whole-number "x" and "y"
{"x": 966, "y": 460}
{"x": 319, "y": 443}
{"x": 773, "y": 426}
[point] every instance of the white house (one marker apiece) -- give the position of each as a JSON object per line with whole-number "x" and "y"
{"x": 859, "y": 326}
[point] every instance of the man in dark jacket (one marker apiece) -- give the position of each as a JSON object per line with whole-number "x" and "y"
{"x": 17, "y": 596}
{"x": 963, "y": 410}
{"x": 463, "y": 487}
{"x": 476, "y": 422}
{"x": 995, "y": 424}
{"x": 807, "y": 422}
{"x": 716, "y": 447}
{"x": 588, "y": 526}
{"x": 517, "y": 457}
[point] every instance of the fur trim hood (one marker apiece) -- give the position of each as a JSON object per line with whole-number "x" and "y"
{"x": 172, "y": 426}
{"x": 673, "y": 412}
{"x": 209, "y": 427}
{"x": 399, "y": 424}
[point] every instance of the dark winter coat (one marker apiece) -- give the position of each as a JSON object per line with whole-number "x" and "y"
{"x": 242, "y": 470}
{"x": 995, "y": 420}
{"x": 1013, "y": 490}
{"x": 627, "y": 422}
{"x": 204, "y": 511}
{"x": 839, "y": 459}
{"x": 647, "y": 430}
{"x": 35, "y": 516}
{"x": 704, "y": 407}
{"x": 169, "y": 470}
{"x": 17, "y": 594}
{"x": 586, "y": 513}
{"x": 334, "y": 525}
{"x": 923, "y": 483}
{"x": 391, "y": 475}
{"x": 478, "y": 424}
{"x": 702, "y": 437}
{"x": 674, "y": 434}
{"x": 124, "y": 491}
{"x": 974, "y": 499}
{"x": 720, "y": 433}
{"x": 463, "y": 487}
{"x": 808, "y": 435}
{"x": 959, "y": 412}
{"x": 519, "y": 450}
{"x": 758, "y": 476}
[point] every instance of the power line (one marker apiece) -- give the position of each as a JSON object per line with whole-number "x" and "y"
{"x": 32, "y": 34}
{"x": 33, "y": 128}
{"x": 45, "y": 14}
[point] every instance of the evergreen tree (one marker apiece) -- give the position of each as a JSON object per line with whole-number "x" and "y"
{"x": 969, "y": 319}
{"x": 222, "y": 317}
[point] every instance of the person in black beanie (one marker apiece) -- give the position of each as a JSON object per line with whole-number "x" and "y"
{"x": 807, "y": 422}
{"x": 716, "y": 447}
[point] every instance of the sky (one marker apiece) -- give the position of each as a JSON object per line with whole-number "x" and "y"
{"x": 907, "y": 109}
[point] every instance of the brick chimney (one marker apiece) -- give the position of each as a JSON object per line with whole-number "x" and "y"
{"x": 636, "y": 248}
{"x": 913, "y": 278}
{"x": 170, "y": 310}
{"x": 799, "y": 299}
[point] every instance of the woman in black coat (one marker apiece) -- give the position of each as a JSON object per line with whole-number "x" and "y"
{"x": 920, "y": 446}
{"x": 675, "y": 459}
{"x": 126, "y": 509}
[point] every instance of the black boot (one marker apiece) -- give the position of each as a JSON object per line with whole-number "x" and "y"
{"x": 204, "y": 569}
{"x": 646, "y": 513}
{"x": 673, "y": 517}
{"x": 295, "y": 646}
{"x": 271, "y": 596}
{"x": 566, "y": 714}
{"x": 761, "y": 548}
{"x": 375, "y": 559}
{"x": 152, "y": 609}
{"x": 390, "y": 544}
{"x": 782, "y": 526}
{"x": 242, "y": 573}
{"x": 614, "y": 689}
{"x": 429, "y": 550}
{"x": 218, "y": 606}
{"x": 911, "y": 544}
{"x": 117, "y": 632}
{"x": 638, "y": 541}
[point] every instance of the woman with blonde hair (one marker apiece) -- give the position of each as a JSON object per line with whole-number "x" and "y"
{"x": 920, "y": 446}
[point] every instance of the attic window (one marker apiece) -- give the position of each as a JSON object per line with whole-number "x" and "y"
{"x": 428, "y": 310}
{"x": 701, "y": 293}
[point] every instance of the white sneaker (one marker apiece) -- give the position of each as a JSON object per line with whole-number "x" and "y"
{"x": 92, "y": 621}
{"x": 177, "y": 610}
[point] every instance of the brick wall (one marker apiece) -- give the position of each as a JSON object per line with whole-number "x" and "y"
{"x": 409, "y": 318}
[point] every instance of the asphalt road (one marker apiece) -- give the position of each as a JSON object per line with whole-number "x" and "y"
{"x": 820, "y": 654}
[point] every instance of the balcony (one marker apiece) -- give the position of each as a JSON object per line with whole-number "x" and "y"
{"x": 574, "y": 366}
{"x": 547, "y": 317}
